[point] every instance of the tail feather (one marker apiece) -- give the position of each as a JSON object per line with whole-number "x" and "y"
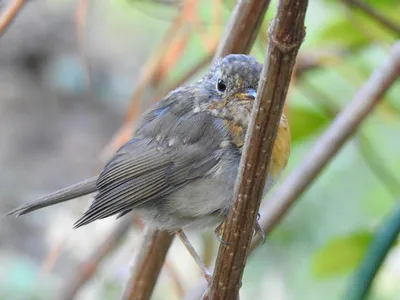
{"x": 82, "y": 188}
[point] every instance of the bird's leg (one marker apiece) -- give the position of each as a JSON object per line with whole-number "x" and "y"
{"x": 258, "y": 230}
{"x": 182, "y": 236}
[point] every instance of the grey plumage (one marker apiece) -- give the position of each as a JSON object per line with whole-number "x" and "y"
{"x": 180, "y": 167}
{"x": 82, "y": 188}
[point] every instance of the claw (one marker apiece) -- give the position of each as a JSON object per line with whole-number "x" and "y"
{"x": 258, "y": 230}
{"x": 218, "y": 233}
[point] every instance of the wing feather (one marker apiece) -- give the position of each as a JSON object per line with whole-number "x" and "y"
{"x": 146, "y": 169}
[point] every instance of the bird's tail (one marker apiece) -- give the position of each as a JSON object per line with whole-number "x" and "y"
{"x": 82, "y": 188}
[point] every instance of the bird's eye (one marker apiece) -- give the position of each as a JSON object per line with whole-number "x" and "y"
{"x": 221, "y": 86}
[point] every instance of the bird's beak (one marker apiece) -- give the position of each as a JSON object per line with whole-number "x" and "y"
{"x": 248, "y": 95}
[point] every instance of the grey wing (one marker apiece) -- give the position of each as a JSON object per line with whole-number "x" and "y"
{"x": 145, "y": 169}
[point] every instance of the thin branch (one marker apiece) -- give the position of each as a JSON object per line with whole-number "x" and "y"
{"x": 285, "y": 37}
{"x": 148, "y": 264}
{"x": 384, "y": 239}
{"x": 341, "y": 129}
{"x": 371, "y": 12}
{"x": 10, "y": 13}
{"x": 87, "y": 269}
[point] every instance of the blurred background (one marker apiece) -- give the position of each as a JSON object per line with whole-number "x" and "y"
{"x": 73, "y": 72}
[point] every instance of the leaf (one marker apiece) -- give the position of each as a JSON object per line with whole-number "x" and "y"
{"x": 305, "y": 122}
{"x": 341, "y": 255}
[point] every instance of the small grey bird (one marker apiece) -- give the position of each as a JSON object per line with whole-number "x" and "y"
{"x": 180, "y": 167}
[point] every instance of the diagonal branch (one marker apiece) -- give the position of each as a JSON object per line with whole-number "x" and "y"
{"x": 285, "y": 37}
{"x": 341, "y": 129}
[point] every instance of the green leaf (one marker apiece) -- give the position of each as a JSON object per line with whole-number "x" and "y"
{"x": 305, "y": 122}
{"x": 341, "y": 255}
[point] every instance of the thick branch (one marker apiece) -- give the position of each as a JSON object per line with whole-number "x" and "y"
{"x": 148, "y": 265}
{"x": 341, "y": 129}
{"x": 286, "y": 35}
{"x": 234, "y": 41}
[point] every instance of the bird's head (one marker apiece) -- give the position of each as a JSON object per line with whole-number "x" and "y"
{"x": 233, "y": 80}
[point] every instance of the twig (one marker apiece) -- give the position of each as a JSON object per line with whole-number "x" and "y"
{"x": 148, "y": 265}
{"x": 10, "y": 14}
{"x": 381, "y": 19}
{"x": 285, "y": 37}
{"x": 87, "y": 269}
{"x": 341, "y": 129}
{"x": 384, "y": 238}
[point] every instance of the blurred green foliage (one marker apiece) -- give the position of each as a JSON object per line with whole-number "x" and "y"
{"x": 341, "y": 254}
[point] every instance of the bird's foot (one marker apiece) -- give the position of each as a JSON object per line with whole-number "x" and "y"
{"x": 258, "y": 230}
{"x": 218, "y": 233}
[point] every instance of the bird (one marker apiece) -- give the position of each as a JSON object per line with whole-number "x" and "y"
{"x": 179, "y": 168}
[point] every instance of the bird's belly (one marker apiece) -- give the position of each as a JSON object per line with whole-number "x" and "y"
{"x": 201, "y": 203}
{"x": 198, "y": 204}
